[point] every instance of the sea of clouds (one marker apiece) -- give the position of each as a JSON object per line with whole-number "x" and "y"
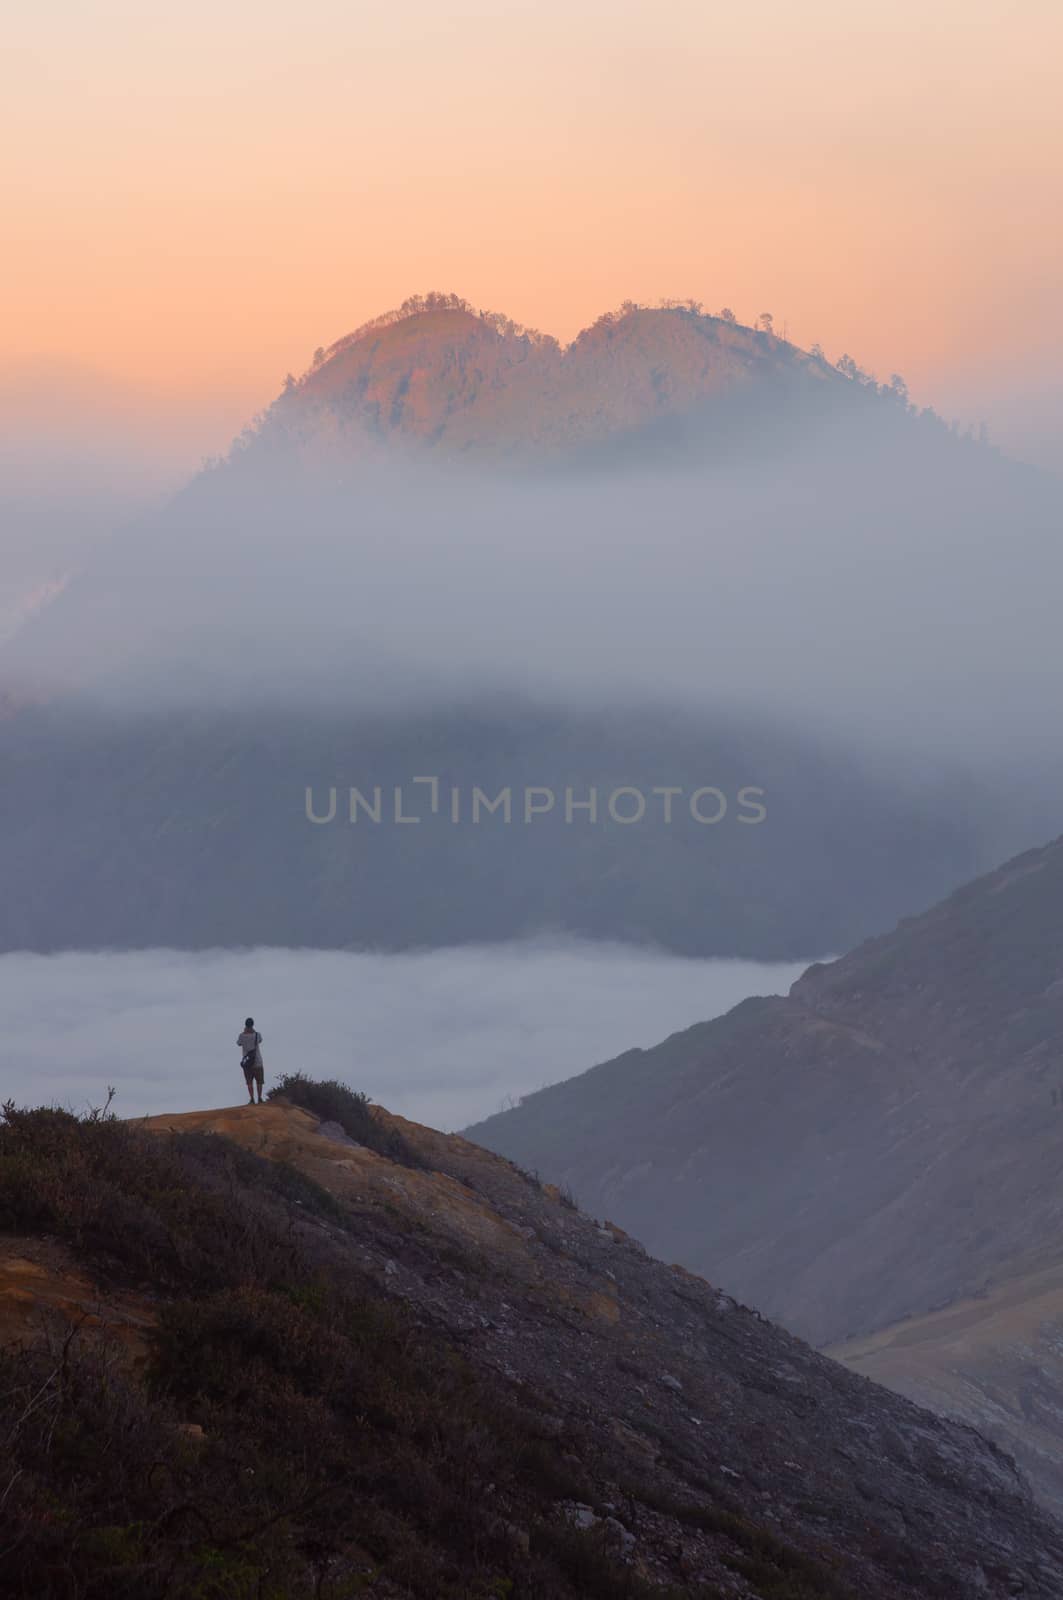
{"x": 444, "y": 1037}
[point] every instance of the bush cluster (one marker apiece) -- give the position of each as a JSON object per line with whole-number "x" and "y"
{"x": 333, "y": 1101}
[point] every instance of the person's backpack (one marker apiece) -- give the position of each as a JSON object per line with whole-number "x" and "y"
{"x": 250, "y": 1057}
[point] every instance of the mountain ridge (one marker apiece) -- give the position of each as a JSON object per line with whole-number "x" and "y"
{"x": 889, "y": 1121}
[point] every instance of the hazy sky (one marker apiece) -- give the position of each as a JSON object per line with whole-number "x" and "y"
{"x": 197, "y": 196}
{"x": 442, "y": 1037}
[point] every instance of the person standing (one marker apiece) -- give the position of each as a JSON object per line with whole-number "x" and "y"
{"x": 250, "y": 1043}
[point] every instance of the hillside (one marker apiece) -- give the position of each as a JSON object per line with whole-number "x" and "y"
{"x": 439, "y": 375}
{"x": 995, "y": 1362}
{"x": 888, "y": 1127}
{"x": 254, "y": 1356}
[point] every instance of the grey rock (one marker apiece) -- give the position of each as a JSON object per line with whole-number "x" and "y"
{"x": 338, "y": 1135}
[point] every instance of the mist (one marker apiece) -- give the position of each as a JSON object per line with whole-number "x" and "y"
{"x": 442, "y": 1037}
{"x": 75, "y": 469}
{"x": 902, "y": 594}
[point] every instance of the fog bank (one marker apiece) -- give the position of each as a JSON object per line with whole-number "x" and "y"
{"x": 443, "y": 1037}
{"x": 903, "y": 595}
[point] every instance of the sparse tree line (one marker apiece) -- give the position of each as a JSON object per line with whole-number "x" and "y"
{"x": 764, "y": 324}
{"x": 435, "y": 300}
{"x": 896, "y": 389}
{"x": 763, "y": 328}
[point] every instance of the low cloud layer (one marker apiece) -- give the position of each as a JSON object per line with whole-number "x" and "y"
{"x": 903, "y": 592}
{"x": 443, "y": 1037}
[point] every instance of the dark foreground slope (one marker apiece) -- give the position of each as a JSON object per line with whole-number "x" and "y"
{"x": 322, "y": 1370}
{"x": 877, "y": 1144}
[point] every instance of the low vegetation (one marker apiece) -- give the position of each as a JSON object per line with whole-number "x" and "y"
{"x": 333, "y": 1101}
{"x": 292, "y": 1432}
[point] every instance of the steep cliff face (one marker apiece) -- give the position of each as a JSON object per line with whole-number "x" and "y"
{"x": 879, "y": 1143}
{"x": 661, "y": 1438}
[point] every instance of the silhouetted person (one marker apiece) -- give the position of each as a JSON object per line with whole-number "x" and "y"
{"x": 250, "y": 1044}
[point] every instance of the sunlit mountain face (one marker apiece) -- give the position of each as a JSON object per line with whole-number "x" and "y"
{"x": 453, "y": 380}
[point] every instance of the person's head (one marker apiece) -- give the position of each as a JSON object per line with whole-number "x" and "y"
{"x": 249, "y": 1022}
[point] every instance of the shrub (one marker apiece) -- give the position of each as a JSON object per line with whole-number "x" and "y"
{"x": 172, "y": 1211}
{"x": 333, "y": 1101}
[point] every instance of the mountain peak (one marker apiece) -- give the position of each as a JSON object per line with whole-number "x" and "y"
{"x": 436, "y": 371}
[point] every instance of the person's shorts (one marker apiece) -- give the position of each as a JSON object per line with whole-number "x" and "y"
{"x": 254, "y": 1075}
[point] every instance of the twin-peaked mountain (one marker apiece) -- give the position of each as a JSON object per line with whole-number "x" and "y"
{"x": 679, "y": 551}
{"x": 461, "y": 383}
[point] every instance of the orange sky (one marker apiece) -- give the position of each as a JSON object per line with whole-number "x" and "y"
{"x": 196, "y": 197}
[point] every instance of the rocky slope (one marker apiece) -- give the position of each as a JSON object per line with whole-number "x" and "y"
{"x": 995, "y": 1362}
{"x": 878, "y": 1144}
{"x": 682, "y": 1444}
